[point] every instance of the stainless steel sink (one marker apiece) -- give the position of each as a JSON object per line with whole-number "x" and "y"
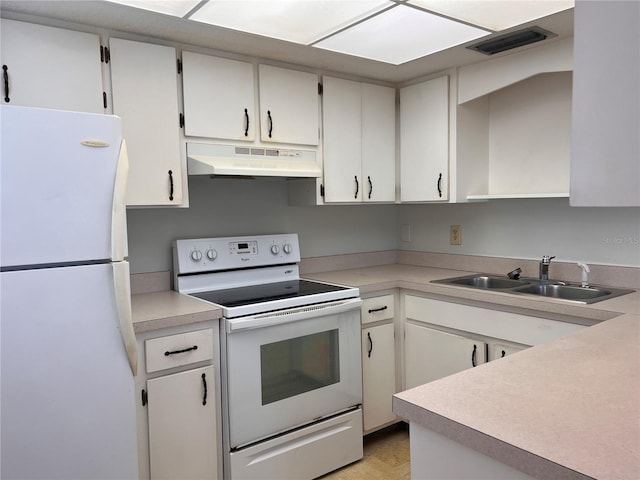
{"x": 571, "y": 292}
{"x": 484, "y": 281}
{"x": 534, "y": 286}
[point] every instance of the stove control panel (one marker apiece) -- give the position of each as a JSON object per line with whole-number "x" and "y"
{"x": 202, "y": 255}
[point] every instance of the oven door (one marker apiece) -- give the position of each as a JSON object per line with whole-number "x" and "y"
{"x": 287, "y": 368}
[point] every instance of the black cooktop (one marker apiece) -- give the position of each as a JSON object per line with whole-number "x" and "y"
{"x": 237, "y": 297}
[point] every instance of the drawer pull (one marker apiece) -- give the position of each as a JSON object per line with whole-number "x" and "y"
{"x": 167, "y": 353}
{"x": 204, "y": 384}
{"x": 380, "y": 309}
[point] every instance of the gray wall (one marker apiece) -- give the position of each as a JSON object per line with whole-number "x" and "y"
{"x": 524, "y": 229}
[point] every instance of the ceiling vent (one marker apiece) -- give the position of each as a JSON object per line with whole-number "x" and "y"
{"x": 511, "y": 40}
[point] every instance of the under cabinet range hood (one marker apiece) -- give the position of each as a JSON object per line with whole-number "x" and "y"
{"x": 248, "y": 161}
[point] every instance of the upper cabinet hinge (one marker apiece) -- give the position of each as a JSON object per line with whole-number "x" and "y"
{"x": 321, "y": 190}
{"x": 179, "y": 63}
{"x": 319, "y": 88}
{"x": 105, "y": 55}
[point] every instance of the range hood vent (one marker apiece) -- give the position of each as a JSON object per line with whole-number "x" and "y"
{"x": 247, "y": 161}
{"x": 512, "y": 40}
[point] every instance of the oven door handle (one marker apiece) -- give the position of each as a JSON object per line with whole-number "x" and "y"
{"x": 292, "y": 315}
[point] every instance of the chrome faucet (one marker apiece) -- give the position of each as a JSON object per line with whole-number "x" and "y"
{"x": 544, "y": 267}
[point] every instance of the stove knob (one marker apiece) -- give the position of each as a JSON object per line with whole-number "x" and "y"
{"x": 275, "y": 249}
{"x": 287, "y": 248}
{"x": 196, "y": 255}
{"x": 212, "y": 254}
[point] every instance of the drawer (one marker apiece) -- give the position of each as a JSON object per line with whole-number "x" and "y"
{"x": 377, "y": 308}
{"x": 178, "y": 350}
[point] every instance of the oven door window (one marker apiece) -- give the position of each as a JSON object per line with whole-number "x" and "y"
{"x": 298, "y": 365}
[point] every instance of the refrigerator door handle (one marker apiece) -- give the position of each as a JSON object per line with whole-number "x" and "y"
{"x": 119, "y": 207}
{"x": 123, "y": 305}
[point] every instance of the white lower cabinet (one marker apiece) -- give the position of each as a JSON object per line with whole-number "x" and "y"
{"x": 378, "y": 375}
{"x": 182, "y": 425}
{"x": 178, "y": 404}
{"x": 431, "y": 354}
{"x": 378, "y": 361}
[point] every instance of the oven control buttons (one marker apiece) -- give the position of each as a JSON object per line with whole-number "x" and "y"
{"x": 275, "y": 249}
{"x": 212, "y": 254}
{"x": 287, "y": 248}
{"x": 196, "y": 255}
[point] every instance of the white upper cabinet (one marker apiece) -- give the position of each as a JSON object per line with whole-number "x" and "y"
{"x": 605, "y": 157}
{"x": 219, "y": 99}
{"x": 289, "y": 106}
{"x": 424, "y": 141}
{"x": 359, "y": 141}
{"x": 145, "y": 95}
{"x": 50, "y": 68}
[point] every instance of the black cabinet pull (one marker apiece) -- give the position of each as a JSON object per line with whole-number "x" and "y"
{"x": 144, "y": 398}
{"x": 370, "y": 187}
{"x": 204, "y": 384}
{"x": 270, "y": 122}
{"x": 370, "y": 344}
{"x": 473, "y": 356}
{"x": 167, "y": 353}
{"x": 170, "y": 185}
{"x": 246, "y": 123}
{"x": 357, "y": 187}
{"x": 5, "y": 74}
{"x": 379, "y": 309}
{"x": 503, "y": 354}
{"x": 440, "y": 185}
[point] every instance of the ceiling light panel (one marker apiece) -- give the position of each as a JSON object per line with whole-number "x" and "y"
{"x": 401, "y": 34}
{"x": 495, "y": 15}
{"x": 291, "y": 20}
{"x": 177, "y": 8}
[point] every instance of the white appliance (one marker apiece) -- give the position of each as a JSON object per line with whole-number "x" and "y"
{"x": 291, "y": 356}
{"x": 68, "y": 351}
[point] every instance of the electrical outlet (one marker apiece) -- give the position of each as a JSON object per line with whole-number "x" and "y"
{"x": 455, "y": 235}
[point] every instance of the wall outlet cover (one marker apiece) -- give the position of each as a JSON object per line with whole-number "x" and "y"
{"x": 455, "y": 235}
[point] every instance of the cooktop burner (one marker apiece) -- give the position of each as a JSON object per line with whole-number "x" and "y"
{"x": 236, "y": 297}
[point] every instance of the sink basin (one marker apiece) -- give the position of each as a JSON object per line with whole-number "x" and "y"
{"x": 575, "y": 293}
{"x": 483, "y": 281}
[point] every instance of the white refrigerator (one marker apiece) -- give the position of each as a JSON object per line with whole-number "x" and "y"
{"x": 67, "y": 347}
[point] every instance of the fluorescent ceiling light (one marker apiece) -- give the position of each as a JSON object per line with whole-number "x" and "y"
{"x": 177, "y": 8}
{"x": 300, "y": 21}
{"x": 399, "y": 35}
{"x": 494, "y": 15}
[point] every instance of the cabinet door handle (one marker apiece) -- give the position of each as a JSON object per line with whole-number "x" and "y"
{"x": 168, "y": 353}
{"x": 357, "y": 186}
{"x": 379, "y": 309}
{"x": 246, "y": 123}
{"x": 370, "y": 345}
{"x": 370, "y": 187}
{"x": 473, "y": 356}
{"x": 440, "y": 185}
{"x": 170, "y": 185}
{"x": 5, "y": 74}
{"x": 503, "y": 354}
{"x": 270, "y": 122}
{"x": 204, "y": 385}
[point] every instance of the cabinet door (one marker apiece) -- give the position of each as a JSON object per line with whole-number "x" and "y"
{"x": 499, "y": 350}
{"x": 342, "y": 140}
{"x": 145, "y": 95}
{"x": 218, "y": 97}
{"x": 378, "y": 375}
{"x": 378, "y": 143}
{"x": 605, "y": 150}
{"x": 288, "y": 106}
{"x": 51, "y": 67}
{"x": 182, "y": 425}
{"x": 424, "y": 141}
{"x": 431, "y": 354}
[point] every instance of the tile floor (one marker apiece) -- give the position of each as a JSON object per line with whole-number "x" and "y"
{"x": 386, "y": 457}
